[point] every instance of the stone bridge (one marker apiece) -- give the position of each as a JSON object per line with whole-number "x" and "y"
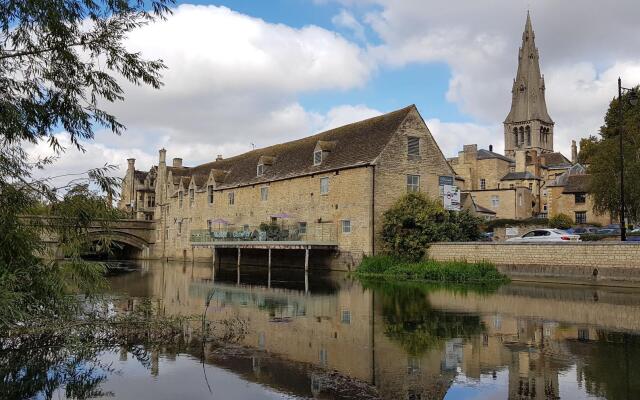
{"x": 138, "y": 234}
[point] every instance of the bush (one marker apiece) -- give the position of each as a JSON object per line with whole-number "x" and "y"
{"x": 430, "y": 270}
{"x": 560, "y": 221}
{"x": 416, "y": 220}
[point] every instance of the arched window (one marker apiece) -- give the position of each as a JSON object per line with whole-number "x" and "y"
{"x": 528, "y": 131}
{"x": 515, "y": 136}
{"x": 521, "y": 135}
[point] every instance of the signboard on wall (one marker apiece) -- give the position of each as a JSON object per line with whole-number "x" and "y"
{"x": 445, "y": 180}
{"x": 451, "y": 198}
{"x": 512, "y": 232}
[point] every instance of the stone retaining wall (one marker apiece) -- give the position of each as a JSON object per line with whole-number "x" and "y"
{"x": 613, "y": 262}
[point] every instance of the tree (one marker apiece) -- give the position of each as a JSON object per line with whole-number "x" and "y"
{"x": 60, "y": 63}
{"x": 560, "y": 221}
{"x": 602, "y": 155}
{"x": 416, "y": 220}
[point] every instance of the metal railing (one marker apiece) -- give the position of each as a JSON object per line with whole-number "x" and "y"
{"x": 313, "y": 232}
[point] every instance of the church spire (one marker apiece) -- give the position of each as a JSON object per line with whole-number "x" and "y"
{"x": 528, "y": 104}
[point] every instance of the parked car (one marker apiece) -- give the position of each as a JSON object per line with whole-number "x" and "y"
{"x": 608, "y": 231}
{"x": 582, "y": 230}
{"x": 545, "y": 235}
{"x": 486, "y": 237}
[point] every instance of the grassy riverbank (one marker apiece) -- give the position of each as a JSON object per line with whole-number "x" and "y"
{"x": 429, "y": 270}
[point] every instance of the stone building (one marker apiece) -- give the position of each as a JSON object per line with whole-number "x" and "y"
{"x": 138, "y": 192}
{"x": 330, "y": 188}
{"x": 526, "y": 181}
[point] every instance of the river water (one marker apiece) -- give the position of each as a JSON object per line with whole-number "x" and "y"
{"x": 327, "y": 335}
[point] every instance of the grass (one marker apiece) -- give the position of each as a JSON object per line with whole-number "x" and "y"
{"x": 430, "y": 270}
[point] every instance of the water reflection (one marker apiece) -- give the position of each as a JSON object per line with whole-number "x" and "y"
{"x": 521, "y": 341}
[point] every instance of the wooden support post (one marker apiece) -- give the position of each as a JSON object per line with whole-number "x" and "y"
{"x": 306, "y": 259}
{"x": 238, "y": 266}
{"x": 213, "y": 267}
{"x": 269, "y": 270}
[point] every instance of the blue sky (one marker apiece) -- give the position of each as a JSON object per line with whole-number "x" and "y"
{"x": 246, "y": 72}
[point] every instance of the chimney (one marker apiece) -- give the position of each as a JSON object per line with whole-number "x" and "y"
{"x": 470, "y": 152}
{"x": 219, "y": 158}
{"x": 177, "y": 162}
{"x": 132, "y": 164}
{"x": 574, "y": 152}
{"x": 162, "y": 156}
{"x": 491, "y": 148}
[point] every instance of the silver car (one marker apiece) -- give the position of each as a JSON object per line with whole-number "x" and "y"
{"x": 545, "y": 235}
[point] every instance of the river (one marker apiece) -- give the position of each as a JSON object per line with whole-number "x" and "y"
{"x": 328, "y": 335}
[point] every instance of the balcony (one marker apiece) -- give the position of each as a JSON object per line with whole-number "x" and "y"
{"x": 267, "y": 235}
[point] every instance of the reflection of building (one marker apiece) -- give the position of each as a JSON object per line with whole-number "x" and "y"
{"x": 357, "y": 332}
{"x": 519, "y": 183}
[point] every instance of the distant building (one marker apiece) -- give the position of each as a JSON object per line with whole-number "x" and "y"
{"x": 529, "y": 179}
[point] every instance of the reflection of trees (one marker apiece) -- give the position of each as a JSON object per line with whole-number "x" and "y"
{"x": 410, "y": 320}
{"x": 610, "y": 365}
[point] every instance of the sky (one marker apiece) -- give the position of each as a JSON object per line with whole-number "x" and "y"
{"x": 247, "y": 73}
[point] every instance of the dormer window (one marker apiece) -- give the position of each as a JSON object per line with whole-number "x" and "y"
{"x": 263, "y": 163}
{"x": 317, "y": 157}
{"x": 260, "y": 170}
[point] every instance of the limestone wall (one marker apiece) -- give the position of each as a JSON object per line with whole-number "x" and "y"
{"x": 614, "y": 262}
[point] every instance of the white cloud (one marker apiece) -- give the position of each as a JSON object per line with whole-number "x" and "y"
{"x": 345, "y": 19}
{"x": 346, "y": 114}
{"x": 451, "y": 136}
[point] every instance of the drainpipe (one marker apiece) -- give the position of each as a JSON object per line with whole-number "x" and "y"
{"x": 373, "y": 210}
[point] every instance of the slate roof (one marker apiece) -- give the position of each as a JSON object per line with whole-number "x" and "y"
{"x": 514, "y": 176}
{"x": 486, "y": 154}
{"x": 484, "y": 210}
{"x": 356, "y": 144}
{"x": 577, "y": 184}
{"x": 141, "y": 175}
{"x": 552, "y": 160}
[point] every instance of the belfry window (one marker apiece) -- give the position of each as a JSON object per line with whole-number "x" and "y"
{"x": 413, "y": 147}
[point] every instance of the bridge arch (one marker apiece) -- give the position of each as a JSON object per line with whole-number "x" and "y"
{"x": 139, "y": 246}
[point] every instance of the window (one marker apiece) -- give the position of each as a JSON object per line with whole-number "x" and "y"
{"x": 413, "y": 183}
{"x": 232, "y": 198}
{"x": 180, "y": 195}
{"x": 151, "y": 201}
{"x": 323, "y": 357}
{"x": 179, "y": 227}
{"x": 210, "y": 194}
{"x": 495, "y": 202}
{"x": 166, "y": 234}
{"x": 580, "y": 198}
{"x": 413, "y": 147}
{"x": 346, "y": 317}
{"x": 413, "y": 365}
{"x": 483, "y": 184}
{"x": 324, "y": 185}
{"x": 520, "y": 199}
{"x": 260, "y": 170}
{"x": 302, "y": 228}
{"x": 209, "y": 225}
{"x": 511, "y": 186}
{"x": 317, "y": 157}
{"x": 581, "y": 217}
{"x": 346, "y": 226}
{"x": 530, "y": 185}
{"x": 191, "y": 197}
{"x": 544, "y": 208}
{"x": 264, "y": 193}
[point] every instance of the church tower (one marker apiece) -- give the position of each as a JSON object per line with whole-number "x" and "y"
{"x": 528, "y": 125}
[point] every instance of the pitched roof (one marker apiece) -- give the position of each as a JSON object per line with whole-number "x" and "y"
{"x": 514, "y": 176}
{"x": 483, "y": 210}
{"x": 555, "y": 160}
{"x": 577, "y": 184}
{"x": 486, "y": 154}
{"x": 358, "y": 143}
{"x": 576, "y": 169}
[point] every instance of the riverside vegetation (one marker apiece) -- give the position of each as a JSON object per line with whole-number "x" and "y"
{"x": 409, "y": 226}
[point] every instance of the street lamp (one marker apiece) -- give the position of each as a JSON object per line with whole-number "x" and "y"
{"x": 633, "y": 100}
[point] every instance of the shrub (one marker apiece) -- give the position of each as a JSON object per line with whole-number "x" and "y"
{"x": 416, "y": 220}
{"x": 430, "y": 270}
{"x": 560, "y": 221}
{"x": 489, "y": 226}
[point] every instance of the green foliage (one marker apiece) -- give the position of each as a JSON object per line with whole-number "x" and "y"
{"x": 560, "y": 221}
{"x": 415, "y": 221}
{"x": 434, "y": 271}
{"x": 602, "y": 155}
{"x": 61, "y": 60}
{"x": 489, "y": 226}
